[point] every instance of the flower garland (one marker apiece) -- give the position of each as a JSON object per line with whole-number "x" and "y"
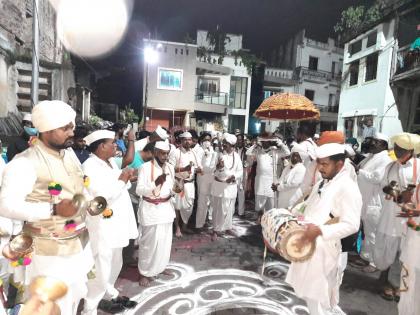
{"x": 23, "y": 261}
{"x": 413, "y": 225}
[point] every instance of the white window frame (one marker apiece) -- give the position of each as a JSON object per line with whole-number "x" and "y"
{"x": 159, "y": 87}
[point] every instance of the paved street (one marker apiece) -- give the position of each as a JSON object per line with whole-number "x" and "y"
{"x": 223, "y": 277}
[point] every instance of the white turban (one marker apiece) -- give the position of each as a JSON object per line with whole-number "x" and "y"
{"x": 99, "y": 135}
{"x": 161, "y": 133}
{"x": 50, "y": 115}
{"x": 27, "y": 117}
{"x": 329, "y": 149}
{"x": 162, "y": 145}
{"x": 185, "y": 134}
{"x": 229, "y": 138}
{"x": 407, "y": 141}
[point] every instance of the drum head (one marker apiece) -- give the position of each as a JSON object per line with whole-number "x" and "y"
{"x": 287, "y": 246}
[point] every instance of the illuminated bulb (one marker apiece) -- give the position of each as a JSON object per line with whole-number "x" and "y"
{"x": 91, "y": 28}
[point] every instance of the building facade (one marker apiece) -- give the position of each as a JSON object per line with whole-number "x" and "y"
{"x": 189, "y": 88}
{"x": 366, "y": 93}
{"x": 56, "y": 73}
{"x": 309, "y": 68}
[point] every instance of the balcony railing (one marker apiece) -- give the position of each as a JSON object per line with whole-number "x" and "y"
{"x": 219, "y": 98}
{"x": 407, "y": 60}
{"x": 318, "y": 75}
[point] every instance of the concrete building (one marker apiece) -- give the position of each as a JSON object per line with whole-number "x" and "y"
{"x": 188, "y": 88}
{"x": 309, "y": 68}
{"x": 55, "y": 71}
{"x": 405, "y": 71}
{"x": 366, "y": 92}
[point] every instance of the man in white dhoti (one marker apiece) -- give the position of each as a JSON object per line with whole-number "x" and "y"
{"x": 263, "y": 155}
{"x": 207, "y": 156}
{"x": 156, "y": 214}
{"x": 159, "y": 134}
{"x": 227, "y": 172}
{"x": 370, "y": 174}
{"x": 37, "y": 187}
{"x": 410, "y": 249}
{"x": 111, "y": 231}
{"x": 291, "y": 177}
{"x": 317, "y": 280}
{"x": 186, "y": 165}
{"x": 391, "y": 229}
{"x": 241, "y": 150}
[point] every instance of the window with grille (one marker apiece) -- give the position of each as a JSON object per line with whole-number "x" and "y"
{"x": 313, "y": 63}
{"x": 355, "y": 47}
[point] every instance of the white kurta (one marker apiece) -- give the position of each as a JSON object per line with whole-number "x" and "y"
{"x": 309, "y": 146}
{"x": 224, "y": 194}
{"x": 289, "y": 182}
{"x": 370, "y": 175}
{"x": 114, "y": 232}
{"x": 156, "y": 220}
{"x": 184, "y": 201}
{"x": 204, "y": 182}
{"x": 341, "y": 198}
{"x": 391, "y": 228}
{"x": 264, "y": 173}
{"x": 107, "y": 236}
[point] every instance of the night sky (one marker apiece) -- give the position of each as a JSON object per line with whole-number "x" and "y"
{"x": 265, "y": 24}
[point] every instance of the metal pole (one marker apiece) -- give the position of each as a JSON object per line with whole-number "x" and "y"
{"x": 146, "y": 91}
{"x": 35, "y": 54}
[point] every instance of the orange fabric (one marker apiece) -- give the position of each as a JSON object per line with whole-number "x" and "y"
{"x": 331, "y": 137}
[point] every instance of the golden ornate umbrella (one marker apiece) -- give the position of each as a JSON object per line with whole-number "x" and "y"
{"x": 287, "y": 106}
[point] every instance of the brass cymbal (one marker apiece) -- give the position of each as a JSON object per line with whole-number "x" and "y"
{"x": 21, "y": 244}
{"x": 97, "y": 206}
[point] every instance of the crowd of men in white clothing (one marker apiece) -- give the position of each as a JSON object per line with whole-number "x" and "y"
{"x": 184, "y": 182}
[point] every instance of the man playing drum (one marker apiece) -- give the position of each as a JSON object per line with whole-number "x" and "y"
{"x": 336, "y": 196}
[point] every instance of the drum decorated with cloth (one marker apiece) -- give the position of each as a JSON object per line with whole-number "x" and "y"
{"x": 281, "y": 231}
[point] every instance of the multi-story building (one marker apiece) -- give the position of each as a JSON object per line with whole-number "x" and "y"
{"x": 56, "y": 74}
{"x": 189, "y": 85}
{"x": 366, "y": 92}
{"x": 405, "y": 71}
{"x": 309, "y": 68}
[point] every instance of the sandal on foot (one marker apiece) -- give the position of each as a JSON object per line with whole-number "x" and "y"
{"x": 388, "y": 294}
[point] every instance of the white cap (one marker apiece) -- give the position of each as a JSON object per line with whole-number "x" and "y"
{"x": 163, "y": 145}
{"x": 185, "y": 134}
{"x": 407, "y": 141}
{"x": 229, "y": 138}
{"x": 27, "y": 117}
{"x": 50, "y": 115}
{"x": 329, "y": 149}
{"x": 381, "y": 136}
{"x": 301, "y": 150}
{"x": 316, "y": 136}
{"x": 99, "y": 135}
{"x": 349, "y": 149}
{"x": 161, "y": 133}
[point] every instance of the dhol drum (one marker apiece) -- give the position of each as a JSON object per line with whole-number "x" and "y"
{"x": 281, "y": 231}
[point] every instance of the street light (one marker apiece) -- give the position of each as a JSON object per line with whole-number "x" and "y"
{"x": 150, "y": 57}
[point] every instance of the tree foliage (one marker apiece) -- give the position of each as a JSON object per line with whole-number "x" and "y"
{"x": 356, "y": 18}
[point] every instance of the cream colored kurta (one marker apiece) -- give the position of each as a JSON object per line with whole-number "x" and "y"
{"x": 341, "y": 198}
{"x": 232, "y": 166}
{"x": 24, "y": 196}
{"x": 116, "y": 231}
